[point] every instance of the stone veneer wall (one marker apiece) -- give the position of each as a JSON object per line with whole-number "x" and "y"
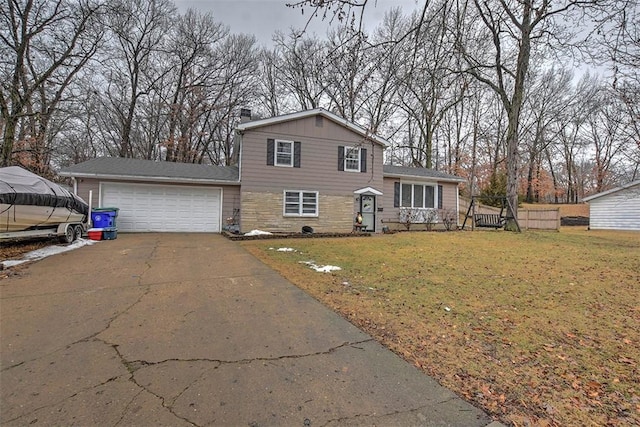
{"x": 263, "y": 211}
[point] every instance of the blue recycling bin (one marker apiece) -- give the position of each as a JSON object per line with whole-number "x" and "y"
{"x": 104, "y": 217}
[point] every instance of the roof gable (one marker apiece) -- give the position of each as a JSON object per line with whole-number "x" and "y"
{"x": 311, "y": 113}
{"x": 125, "y": 168}
{"x": 614, "y": 190}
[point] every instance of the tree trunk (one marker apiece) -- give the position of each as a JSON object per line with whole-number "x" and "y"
{"x": 8, "y": 139}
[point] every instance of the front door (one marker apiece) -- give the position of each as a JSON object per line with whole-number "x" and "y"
{"x": 368, "y": 211}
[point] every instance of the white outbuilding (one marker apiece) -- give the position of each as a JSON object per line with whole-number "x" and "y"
{"x": 615, "y": 209}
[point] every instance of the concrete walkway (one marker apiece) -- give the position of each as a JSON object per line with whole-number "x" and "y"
{"x": 191, "y": 330}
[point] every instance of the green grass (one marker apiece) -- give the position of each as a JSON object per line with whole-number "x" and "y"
{"x": 536, "y": 328}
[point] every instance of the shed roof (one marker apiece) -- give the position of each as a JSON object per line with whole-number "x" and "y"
{"x": 312, "y": 113}
{"x": 613, "y": 190}
{"x": 136, "y": 169}
{"x": 413, "y": 172}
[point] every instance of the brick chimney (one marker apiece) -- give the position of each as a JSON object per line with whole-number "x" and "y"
{"x": 245, "y": 115}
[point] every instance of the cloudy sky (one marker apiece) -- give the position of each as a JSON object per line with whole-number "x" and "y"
{"x": 263, "y": 17}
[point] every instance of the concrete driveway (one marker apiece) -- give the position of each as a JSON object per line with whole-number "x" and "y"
{"x": 191, "y": 330}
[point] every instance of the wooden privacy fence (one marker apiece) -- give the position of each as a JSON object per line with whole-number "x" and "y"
{"x": 539, "y": 219}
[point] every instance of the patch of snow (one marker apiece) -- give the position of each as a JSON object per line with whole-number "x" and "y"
{"x": 321, "y": 268}
{"x": 48, "y": 251}
{"x": 258, "y": 233}
{"x": 326, "y": 268}
{"x": 286, "y": 250}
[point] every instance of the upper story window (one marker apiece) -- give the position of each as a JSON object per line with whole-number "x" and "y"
{"x": 284, "y": 153}
{"x": 352, "y": 159}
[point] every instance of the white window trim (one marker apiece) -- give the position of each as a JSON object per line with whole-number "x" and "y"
{"x": 346, "y": 150}
{"x": 424, "y": 184}
{"x": 275, "y": 153}
{"x": 300, "y": 204}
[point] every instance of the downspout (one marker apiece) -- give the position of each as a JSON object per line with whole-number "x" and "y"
{"x": 458, "y": 206}
{"x": 240, "y": 140}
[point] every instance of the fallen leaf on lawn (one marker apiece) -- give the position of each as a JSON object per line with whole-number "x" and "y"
{"x": 623, "y": 359}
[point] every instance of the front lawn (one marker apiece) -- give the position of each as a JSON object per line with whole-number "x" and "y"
{"x": 537, "y": 328}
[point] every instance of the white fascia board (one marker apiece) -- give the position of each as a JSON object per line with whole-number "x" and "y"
{"x": 309, "y": 113}
{"x": 164, "y": 179}
{"x": 423, "y": 178}
{"x": 368, "y": 190}
{"x": 613, "y": 190}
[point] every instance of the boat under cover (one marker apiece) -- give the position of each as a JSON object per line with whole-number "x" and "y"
{"x": 30, "y": 202}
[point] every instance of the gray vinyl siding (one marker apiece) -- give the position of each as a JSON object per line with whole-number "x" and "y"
{"x": 230, "y": 202}
{"x": 319, "y": 160}
{"x": 86, "y": 185}
{"x": 230, "y": 193}
{"x": 449, "y": 196}
{"x": 617, "y": 211}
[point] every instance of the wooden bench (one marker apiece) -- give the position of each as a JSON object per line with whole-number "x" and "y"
{"x": 359, "y": 227}
{"x": 489, "y": 220}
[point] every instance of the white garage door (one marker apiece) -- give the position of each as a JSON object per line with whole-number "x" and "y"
{"x": 150, "y": 207}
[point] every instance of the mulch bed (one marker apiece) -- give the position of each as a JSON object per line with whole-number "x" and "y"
{"x": 284, "y": 235}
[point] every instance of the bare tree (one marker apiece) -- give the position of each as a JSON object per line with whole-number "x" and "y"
{"x": 429, "y": 81}
{"x": 302, "y": 69}
{"x": 235, "y": 86}
{"x": 546, "y": 101}
{"x": 349, "y": 70}
{"x": 381, "y": 93}
{"x": 271, "y": 88}
{"x": 138, "y": 28}
{"x": 571, "y": 153}
{"x": 43, "y": 45}
{"x": 191, "y": 48}
{"x": 497, "y": 43}
{"x": 605, "y": 130}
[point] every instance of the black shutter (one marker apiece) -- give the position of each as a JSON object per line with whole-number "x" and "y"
{"x": 396, "y": 194}
{"x": 363, "y": 160}
{"x": 296, "y": 154}
{"x": 270, "y": 151}
{"x": 341, "y": 158}
{"x": 439, "y": 196}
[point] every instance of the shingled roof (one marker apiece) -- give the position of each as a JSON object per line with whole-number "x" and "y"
{"x": 406, "y": 171}
{"x": 312, "y": 113}
{"x": 136, "y": 169}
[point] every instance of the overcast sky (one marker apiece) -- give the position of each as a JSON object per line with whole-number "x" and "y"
{"x": 263, "y": 17}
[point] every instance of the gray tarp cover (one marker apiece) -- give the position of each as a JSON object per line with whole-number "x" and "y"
{"x": 20, "y": 187}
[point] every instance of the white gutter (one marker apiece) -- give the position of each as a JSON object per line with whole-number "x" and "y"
{"x": 310, "y": 113}
{"x": 150, "y": 178}
{"x": 430, "y": 178}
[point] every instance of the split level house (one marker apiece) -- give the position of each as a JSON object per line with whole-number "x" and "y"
{"x": 310, "y": 168}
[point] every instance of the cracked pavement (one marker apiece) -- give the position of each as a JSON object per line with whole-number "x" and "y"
{"x": 191, "y": 330}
